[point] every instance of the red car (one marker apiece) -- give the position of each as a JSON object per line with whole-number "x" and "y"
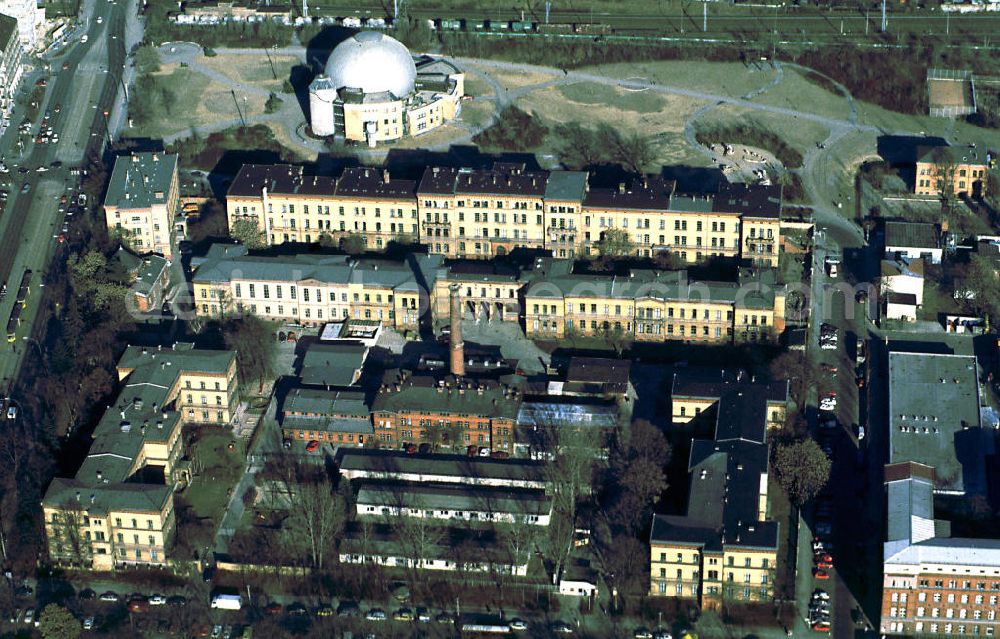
{"x": 273, "y": 609}
{"x": 819, "y": 573}
{"x": 411, "y": 449}
{"x": 312, "y": 446}
{"x": 824, "y": 565}
{"x": 824, "y": 557}
{"x": 821, "y": 627}
{"x": 827, "y": 368}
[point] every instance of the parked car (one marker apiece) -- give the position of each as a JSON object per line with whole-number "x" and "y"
{"x": 403, "y": 614}
{"x": 273, "y": 608}
{"x": 642, "y": 633}
{"x": 157, "y": 600}
{"x": 176, "y": 600}
{"x": 312, "y": 446}
{"x": 348, "y": 609}
{"x": 109, "y": 597}
{"x": 444, "y": 617}
{"x": 88, "y": 623}
{"x": 324, "y": 611}
{"x": 86, "y": 594}
{"x": 29, "y": 616}
{"x": 423, "y": 615}
{"x": 819, "y": 573}
{"x": 296, "y": 610}
{"x": 376, "y": 614}
{"x": 561, "y": 628}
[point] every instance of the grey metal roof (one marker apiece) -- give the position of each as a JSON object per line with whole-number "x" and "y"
{"x": 910, "y": 510}
{"x": 567, "y": 414}
{"x": 332, "y": 364}
{"x": 566, "y": 186}
{"x": 911, "y": 235}
{"x": 393, "y": 463}
{"x": 934, "y": 417}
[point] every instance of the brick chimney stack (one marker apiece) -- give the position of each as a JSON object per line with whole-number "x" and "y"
{"x": 457, "y": 345}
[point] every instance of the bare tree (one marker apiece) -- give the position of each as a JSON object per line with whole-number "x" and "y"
{"x": 418, "y": 538}
{"x": 72, "y": 544}
{"x": 317, "y": 512}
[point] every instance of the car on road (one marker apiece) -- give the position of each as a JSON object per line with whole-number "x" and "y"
{"x": 518, "y": 624}
{"x": 100, "y": 19}
{"x": 819, "y": 573}
{"x": 273, "y": 609}
{"x": 642, "y": 633}
{"x": 15, "y": 616}
{"x": 88, "y": 623}
{"x": 828, "y": 368}
{"x": 660, "y": 633}
{"x": 312, "y": 446}
{"x": 216, "y": 631}
{"x": 157, "y": 600}
{"x": 376, "y": 614}
{"x": 109, "y": 597}
{"x": 348, "y": 609}
{"x": 423, "y": 615}
{"x": 25, "y": 188}
{"x": 84, "y": 38}
{"x": 12, "y": 412}
{"x": 827, "y": 405}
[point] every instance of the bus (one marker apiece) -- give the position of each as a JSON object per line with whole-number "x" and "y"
{"x": 13, "y": 322}
{"x": 25, "y": 288}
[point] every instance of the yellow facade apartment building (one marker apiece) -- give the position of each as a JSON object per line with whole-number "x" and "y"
{"x": 724, "y": 548}
{"x": 312, "y": 289}
{"x": 119, "y": 509}
{"x": 656, "y": 306}
{"x": 483, "y": 213}
{"x": 962, "y": 169}
{"x": 142, "y": 202}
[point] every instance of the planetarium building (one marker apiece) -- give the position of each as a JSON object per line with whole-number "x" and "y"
{"x": 373, "y": 90}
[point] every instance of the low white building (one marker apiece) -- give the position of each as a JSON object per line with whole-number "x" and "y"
{"x": 901, "y": 306}
{"x": 454, "y": 503}
{"x": 473, "y": 556}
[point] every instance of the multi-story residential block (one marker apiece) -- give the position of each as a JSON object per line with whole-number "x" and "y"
{"x": 490, "y": 290}
{"x": 958, "y": 169}
{"x": 11, "y": 69}
{"x": 289, "y": 206}
{"x": 29, "y": 15}
{"x": 649, "y": 305}
{"x": 933, "y": 584}
{"x": 142, "y": 202}
{"x": 934, "y": 419}
{"x": 450, "y": 412}
{"x": 482, "y": 213}
{"x": 724, "y": 549}
{"x": 338, "y": 417}
{"x": 312, "y": 289}
{"x": 119, "y": 510}
{"x": 695, "y": 393}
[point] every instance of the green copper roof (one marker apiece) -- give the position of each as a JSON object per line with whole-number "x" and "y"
{"x": 140, "y": 180}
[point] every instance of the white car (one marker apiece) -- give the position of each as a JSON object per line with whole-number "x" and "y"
{"x": 88, "y": 623}
{"x": 100, "y": 19}
{"x": 157, "y": 600}
{"x": 12, "y": 412}
{"x": 828, "y": 345}
{"x": 29, "y": 616}
{"x": 518, "y": 624}
{"x": 827, "y": 405}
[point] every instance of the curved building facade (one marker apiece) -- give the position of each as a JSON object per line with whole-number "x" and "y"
{"x": 373, "y": 91}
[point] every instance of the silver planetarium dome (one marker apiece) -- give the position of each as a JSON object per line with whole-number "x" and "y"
{"x": 373, "y": 63}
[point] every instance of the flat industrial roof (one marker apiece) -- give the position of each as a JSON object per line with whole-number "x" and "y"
{"x": 934, "y": 417}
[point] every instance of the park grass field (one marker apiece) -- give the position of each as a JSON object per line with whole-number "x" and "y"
{"x": 197, "y": 101}
{"x": 593, "y": 93}
{"x": 796, "y": 92}
{"x": 512, "y": 80}
{"x": 724, "y": 78}
{"x": 253, "y": 70}
{"x": 476, "y": 86}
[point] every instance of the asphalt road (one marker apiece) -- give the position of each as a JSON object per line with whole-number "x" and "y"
{"x": 82, "y": 80}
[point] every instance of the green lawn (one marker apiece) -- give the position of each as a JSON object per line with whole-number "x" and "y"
{"x": 593, "y": 93}
{"x": 218, "y": 470}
